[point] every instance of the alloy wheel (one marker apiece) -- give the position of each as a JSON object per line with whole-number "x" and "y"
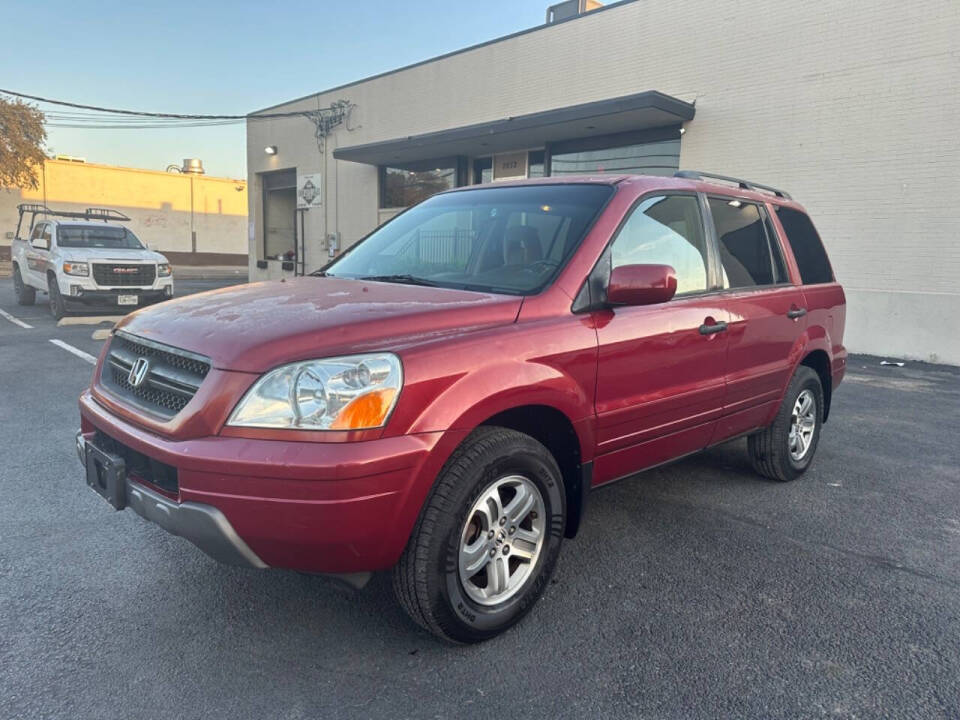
{"x": 802, "y": 425}
{"x": 501, "y": 540}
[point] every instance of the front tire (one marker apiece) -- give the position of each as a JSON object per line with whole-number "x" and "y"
{"x": 26, "y": 295}
{"x": 487, "y": 539}
{"x": 57, "y": 306}
{"x": 784, "y": 450}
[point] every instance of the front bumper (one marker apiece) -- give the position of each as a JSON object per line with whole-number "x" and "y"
{"x": 337, "y": 508}
{"x": 203, "y": 525}
{"x": 110, "y": 298}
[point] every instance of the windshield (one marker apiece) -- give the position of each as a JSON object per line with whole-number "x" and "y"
{"x": 507, "y": 240}
{"x": 91, "y": 236}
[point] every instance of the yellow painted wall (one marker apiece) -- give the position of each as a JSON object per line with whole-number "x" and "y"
{"x": 165, "y": 208}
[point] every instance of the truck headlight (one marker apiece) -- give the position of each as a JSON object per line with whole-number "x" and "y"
{"x": 76, "y": 268}
{"x": 163, "y": 270}
{"x": 355, "y": 392}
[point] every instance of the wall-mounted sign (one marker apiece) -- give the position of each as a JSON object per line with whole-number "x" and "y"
{"x": 510, "y": 166}
{"x": 309, "y": 190}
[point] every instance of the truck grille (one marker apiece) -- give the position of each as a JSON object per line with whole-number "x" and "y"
{"x": 169, "y": 380}
{"x": 116, "y": 274}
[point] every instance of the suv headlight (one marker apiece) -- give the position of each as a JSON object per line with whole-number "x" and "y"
{"x": 163, "y": 270}
{"x": 76, "y": 268}
{"x": 355, "y": 392}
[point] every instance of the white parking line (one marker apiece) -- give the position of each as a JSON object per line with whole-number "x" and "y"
{"x": 75, "y": 351}
{"x": 15, "y": 321}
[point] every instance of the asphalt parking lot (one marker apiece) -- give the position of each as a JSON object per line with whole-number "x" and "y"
{"x": 695, "y": 590}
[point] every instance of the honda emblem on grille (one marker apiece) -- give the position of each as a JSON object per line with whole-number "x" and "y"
{"x": 138, "y": 373}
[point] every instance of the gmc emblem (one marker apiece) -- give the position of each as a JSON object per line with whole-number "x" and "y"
{"x": 124, "y": 271}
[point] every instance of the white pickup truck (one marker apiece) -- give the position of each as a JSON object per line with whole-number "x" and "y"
{"x": 85, "y": 258}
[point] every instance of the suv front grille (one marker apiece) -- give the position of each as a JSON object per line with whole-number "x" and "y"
{"x": 172, "y": 376}
{"x": 117, "y": 274}
{"x": 139, "y": 465}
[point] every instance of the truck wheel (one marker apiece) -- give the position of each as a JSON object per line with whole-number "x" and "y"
{"x": 57, "y": 307}
{"x": 26, "y": 295}
{"x": 487, "y": 539}
{"x": 785, "y": 450}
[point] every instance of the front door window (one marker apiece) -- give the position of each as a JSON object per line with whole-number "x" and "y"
{"x": 666, "y": 230}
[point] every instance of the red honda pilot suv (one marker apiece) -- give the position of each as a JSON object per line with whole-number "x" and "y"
{"x": 441, "y": 399}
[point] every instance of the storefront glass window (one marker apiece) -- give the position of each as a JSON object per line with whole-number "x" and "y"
{"x": 482, "y": 170}
{"x": 401, "y": 187}
{"x": 535, "y": 167}
{"x": 651, "y": 158}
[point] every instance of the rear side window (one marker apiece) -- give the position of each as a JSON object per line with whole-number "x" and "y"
{"x": 744, "y": 248}
{"x": 806, "y": 245}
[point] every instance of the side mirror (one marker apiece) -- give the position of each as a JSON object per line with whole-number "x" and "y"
{"x": 641, "y": 284}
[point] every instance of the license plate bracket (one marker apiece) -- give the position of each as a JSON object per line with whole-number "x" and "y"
{"x": 106, "y": 475}
{"x": 127, "y": 299}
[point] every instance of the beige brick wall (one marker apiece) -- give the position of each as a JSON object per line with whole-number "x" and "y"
{"x": 854, "y": 107}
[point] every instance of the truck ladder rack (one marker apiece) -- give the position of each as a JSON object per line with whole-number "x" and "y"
{"x": 91, "y": 213}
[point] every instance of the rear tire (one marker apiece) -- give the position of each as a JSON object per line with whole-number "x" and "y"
{"x": 784, "y": 450}
{"x": 487, "y": 540}
{"x": 26, "y": 295}
{"x": 57, "y": 306}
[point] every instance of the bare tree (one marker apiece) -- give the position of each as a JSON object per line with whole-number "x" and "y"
{"x": 22, "y": 135}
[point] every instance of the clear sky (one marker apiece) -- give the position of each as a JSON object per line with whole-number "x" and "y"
{"x": 221, "y": 57}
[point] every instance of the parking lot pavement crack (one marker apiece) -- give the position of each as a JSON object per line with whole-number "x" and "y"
{"x": 879, "y": 561}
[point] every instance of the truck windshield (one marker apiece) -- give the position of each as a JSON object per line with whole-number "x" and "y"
{"x": 85, "y": 236}
{"x": 509, "y": 240}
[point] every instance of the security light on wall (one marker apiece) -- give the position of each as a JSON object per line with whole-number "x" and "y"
{"x": 270, "y": 149}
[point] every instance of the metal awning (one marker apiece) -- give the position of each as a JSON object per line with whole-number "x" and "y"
{"x": 644, "y": 110}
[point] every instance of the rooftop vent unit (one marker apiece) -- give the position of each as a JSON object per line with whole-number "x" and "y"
{"x": 570, "y": 9}
{"x": 192, "y": 166}
{"x": 70, "y": 158}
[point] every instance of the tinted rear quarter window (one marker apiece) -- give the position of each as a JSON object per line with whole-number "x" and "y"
{"x": 806, "y": 245}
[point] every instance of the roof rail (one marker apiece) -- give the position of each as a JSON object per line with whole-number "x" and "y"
{"x": 743, "y": 184}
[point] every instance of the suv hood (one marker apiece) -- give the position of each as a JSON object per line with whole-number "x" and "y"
{"x": 256, "y": 327}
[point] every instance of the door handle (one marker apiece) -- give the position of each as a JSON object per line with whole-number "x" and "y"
{"x": 795, "y": 312}
{"x": 713, "y": 328}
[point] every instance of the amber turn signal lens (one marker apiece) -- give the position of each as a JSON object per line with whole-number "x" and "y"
{"x": 367, "y": 411}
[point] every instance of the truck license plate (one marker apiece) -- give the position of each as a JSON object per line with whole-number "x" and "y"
{"x": 127, "y": 299}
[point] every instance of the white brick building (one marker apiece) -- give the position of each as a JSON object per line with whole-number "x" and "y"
{"x": 853, "y": 107}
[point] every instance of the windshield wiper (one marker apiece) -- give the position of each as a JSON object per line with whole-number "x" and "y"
{"x": 403, "y": 279}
